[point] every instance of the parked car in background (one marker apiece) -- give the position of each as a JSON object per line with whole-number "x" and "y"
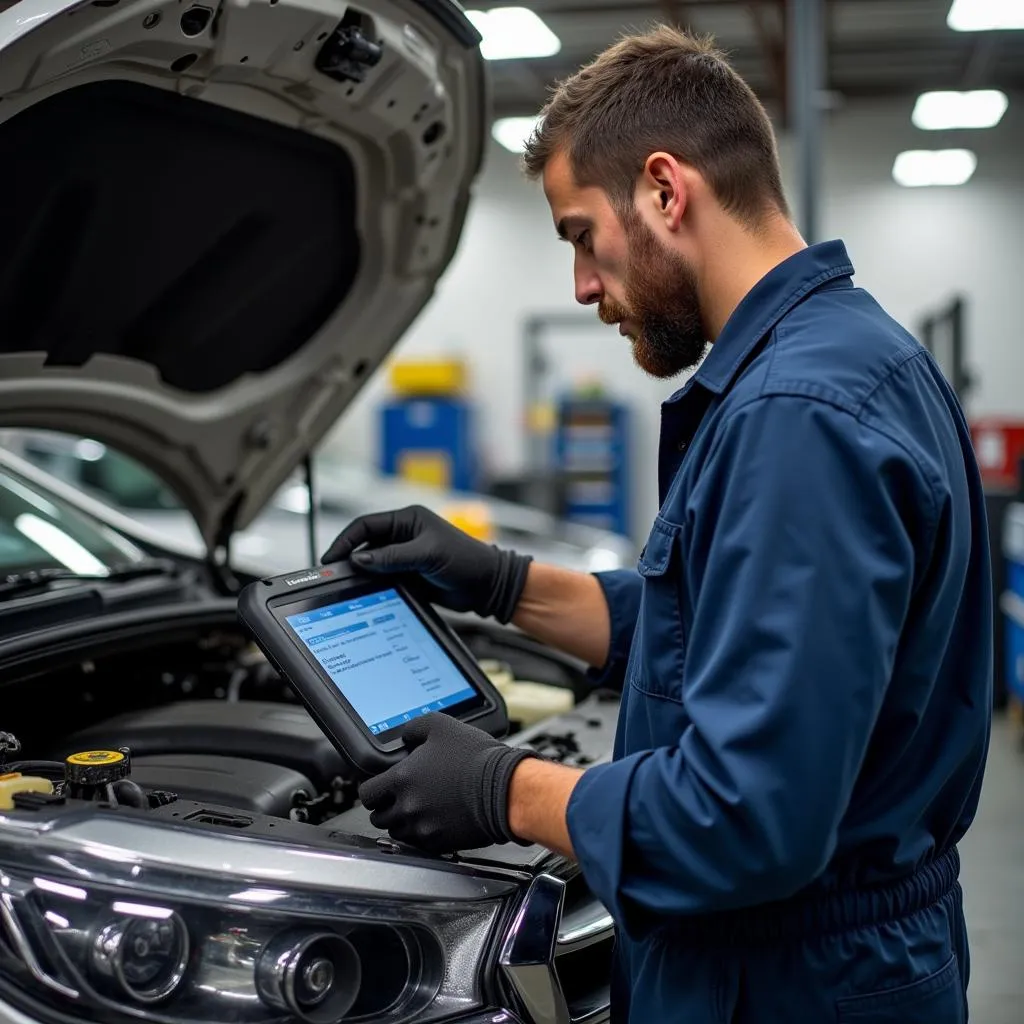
{"x": 279, "y": 536}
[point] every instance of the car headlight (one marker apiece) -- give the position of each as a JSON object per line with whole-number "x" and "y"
{"x": 140, "y": 958}
{"x": 219, "y": 950}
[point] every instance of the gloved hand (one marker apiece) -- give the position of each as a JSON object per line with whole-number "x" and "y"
{"x": 450, "y": 792}
{"x": 462, "y": 573}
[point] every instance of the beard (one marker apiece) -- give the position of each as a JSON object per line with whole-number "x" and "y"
{"x": 661, "y": 290}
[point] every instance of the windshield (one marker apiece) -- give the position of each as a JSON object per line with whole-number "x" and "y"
{"x": 39, "y": 531}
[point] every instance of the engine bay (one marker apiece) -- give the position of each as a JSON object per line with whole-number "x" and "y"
{"x": 195, "y": 725}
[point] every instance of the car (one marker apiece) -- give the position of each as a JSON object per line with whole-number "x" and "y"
{"x": 218, "y": 220}
{"x": 279, "y": 535}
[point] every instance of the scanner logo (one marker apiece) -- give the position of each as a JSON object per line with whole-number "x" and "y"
{"x": 309, "y": 577}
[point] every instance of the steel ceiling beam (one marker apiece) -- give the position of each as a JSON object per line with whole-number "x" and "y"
{"x": 806, "y": 49}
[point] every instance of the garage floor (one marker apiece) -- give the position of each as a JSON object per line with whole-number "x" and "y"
{"x": 993, "y": 881}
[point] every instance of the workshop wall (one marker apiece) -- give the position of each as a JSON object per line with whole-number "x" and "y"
{"x": 914, "y": 248}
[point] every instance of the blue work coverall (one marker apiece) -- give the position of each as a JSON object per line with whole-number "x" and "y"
{"x": 806, "y": 662}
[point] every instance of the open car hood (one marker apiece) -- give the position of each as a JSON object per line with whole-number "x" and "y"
{"x": 217, "y": 218}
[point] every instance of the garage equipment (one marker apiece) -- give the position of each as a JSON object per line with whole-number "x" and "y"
{"x": 427, "y": 428}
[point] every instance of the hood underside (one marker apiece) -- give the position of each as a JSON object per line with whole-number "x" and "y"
{"x": 217, "y": 220}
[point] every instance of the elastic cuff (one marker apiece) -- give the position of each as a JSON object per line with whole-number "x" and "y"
{"x": 509, "y": 584}
{"x": 503, "y": 764}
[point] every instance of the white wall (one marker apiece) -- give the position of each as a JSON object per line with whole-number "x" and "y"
{"x": 913, "y": 248}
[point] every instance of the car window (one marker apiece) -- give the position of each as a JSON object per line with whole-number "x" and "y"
{"x": 96, "y": 468}
{"x": 126, "y": 482}
{"x": 39, "y": 531}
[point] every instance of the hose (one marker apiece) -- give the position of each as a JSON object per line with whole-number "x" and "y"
{"x": 52, "y": 770}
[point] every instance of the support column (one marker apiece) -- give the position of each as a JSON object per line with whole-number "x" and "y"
{"x": 805, "y": 51}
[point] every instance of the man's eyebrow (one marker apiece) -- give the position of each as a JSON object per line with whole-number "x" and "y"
{"x": 570, "y": 221}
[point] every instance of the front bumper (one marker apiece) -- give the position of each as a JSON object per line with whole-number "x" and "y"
{"x": 11, "y": 1015}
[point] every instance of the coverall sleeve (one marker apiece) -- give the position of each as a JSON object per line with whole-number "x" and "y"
{"x": 801, "y": 581}
{"x": 622, "y": 589}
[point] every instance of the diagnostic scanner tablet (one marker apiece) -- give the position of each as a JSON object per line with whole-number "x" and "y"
{"x": 366, "y": 657}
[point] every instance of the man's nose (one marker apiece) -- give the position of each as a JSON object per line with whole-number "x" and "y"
{"x": 588, "y": 288}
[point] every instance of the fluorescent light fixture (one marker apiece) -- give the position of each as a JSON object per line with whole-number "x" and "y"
{"x": 980, "y": 108}
{"x": 90, "y": 451}
{"x": 510, "y": 32}
{"x": 916, "y": 168}
{"x": 513, "y": 132}
{"x": 985, "y": 15}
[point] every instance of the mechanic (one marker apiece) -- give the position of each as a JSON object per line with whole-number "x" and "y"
{"x": 805, "y": 651}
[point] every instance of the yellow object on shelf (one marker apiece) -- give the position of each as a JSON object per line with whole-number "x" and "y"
{"x": 541, "y": 418}
{"x": 14, "y": 782}
{"x": 430, "y": 469}
{"x": 471, "y": 517}
{"x": 428, "y": 377}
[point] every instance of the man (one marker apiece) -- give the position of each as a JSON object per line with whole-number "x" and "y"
{"x": 805, "y": 651}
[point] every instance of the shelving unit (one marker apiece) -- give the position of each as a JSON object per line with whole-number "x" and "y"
{"x": 592, "y": 455}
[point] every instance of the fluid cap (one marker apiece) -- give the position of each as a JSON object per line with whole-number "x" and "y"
{"x": 96, "y": 767}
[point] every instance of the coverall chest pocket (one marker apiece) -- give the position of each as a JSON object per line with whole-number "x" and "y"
{"x": 659, "y": 643}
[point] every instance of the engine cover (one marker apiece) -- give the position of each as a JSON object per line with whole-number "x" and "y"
{"x": 230, "y": 781}
{"x": 281, "y": 734}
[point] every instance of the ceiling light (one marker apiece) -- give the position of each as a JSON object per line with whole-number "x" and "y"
{"x": 513, "y": 32}
{"x": 513, "y": 132}
{"x": 981, "y": 108}
{"x": 915, "y": 168}
{"x": 985, "y": 15}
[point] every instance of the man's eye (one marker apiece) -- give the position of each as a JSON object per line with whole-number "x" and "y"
{"x": 583, "y": 240}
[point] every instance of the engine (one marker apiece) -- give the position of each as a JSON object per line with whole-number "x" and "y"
{"x": 204, "y": 720}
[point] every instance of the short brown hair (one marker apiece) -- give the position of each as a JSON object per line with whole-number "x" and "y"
{"x": 663, "y": 90}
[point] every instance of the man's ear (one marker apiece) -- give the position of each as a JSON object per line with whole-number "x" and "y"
{"x": 664, "y": 186}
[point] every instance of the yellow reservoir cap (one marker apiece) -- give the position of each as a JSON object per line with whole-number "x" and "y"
{"x": 96, "y": 757}
{"x": 14, "y": 783}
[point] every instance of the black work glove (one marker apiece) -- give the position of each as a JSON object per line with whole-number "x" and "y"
{"x": 450, "y": 792}
{"x": 462, "y": 573}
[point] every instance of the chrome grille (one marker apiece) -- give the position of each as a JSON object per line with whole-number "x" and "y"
{"x": 583, "y": 953}
{"x": 557, "y": 956}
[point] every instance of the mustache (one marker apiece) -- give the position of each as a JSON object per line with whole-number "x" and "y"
{"x": 610, "y": 312}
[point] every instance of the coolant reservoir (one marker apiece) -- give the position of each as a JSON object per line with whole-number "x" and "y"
{"x": 89, "y": 773}
{"x": 527, "y": 703}
{"x": 13, "y": 783}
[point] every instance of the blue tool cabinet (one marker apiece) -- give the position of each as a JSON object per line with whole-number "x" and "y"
{"x": 592, "y": 455}
{"x": 429, "y": 440}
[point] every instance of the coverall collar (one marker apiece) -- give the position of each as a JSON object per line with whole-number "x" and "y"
{"x": 764, "y": 306}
